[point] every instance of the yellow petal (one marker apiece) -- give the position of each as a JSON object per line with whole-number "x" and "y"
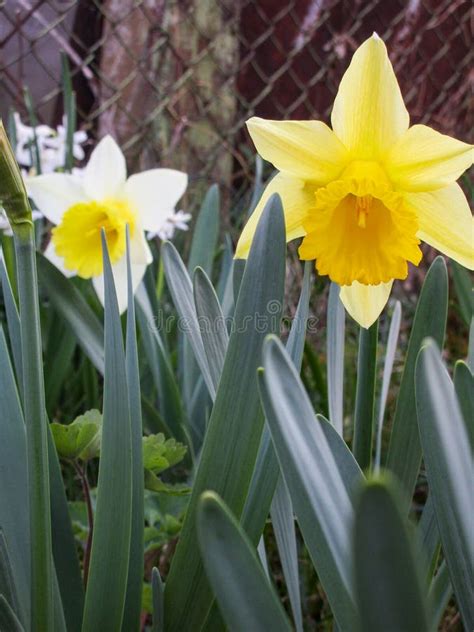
{"x": 305, "y": 149}
{"x": 369, "y": 115}
{"x": 297, "y": 198}
{"x": 365, "y": 302}
{"x": 445, "y": 222}
{"x": 423, "y": 160}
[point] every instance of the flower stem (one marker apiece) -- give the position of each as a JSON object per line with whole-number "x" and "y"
{"x": 365, "y": 396}
{"x": 82, "y": 473}
{"x": 36, "y": 432}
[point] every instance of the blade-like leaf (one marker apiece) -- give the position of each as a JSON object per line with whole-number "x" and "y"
{"x": 71, "y": 305}
{"x": 464, "y": 291}
{"x": 464, "y": 385}
{"x": 169, "y": 399}
{"x": 389, "y": 588}
{"x": 336, "y": 320}
{"x": 13, "y": 321}
{"x": 107, "y": 582}
{"x": 428, "y": 536}
{"x": 448, "y": 464}
{"x": 66, "y": 562}
{"x": 246, "y": 599}
{"x": 234, "y": 431}
{"x": 205, "y": 233}
{"x": 284, "y": 528}
{"x": 7, "y": 581}
{"x": 36, "y": 423}
{"x": 387, "y": 374}
{"x": 158, "y": 590}
{"x": 211, "y": 323}
{"x": 440, "y": 594}
{"x": 348, "y": 468}
{"x": 182, "y": 292}
{"x": 320, "y": 499}
{"x": 365, "y": 396}
{"x": 133, "y": 602}
{"x": 404, "y": 456}
{"x": 265, "y": 476}
{"x": 8, "y": 619}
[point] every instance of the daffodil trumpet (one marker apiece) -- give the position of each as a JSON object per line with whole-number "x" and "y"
{"x": 364, "y": 194}
{"x": 103, "y": 198}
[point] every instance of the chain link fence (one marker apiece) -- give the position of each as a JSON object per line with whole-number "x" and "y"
{"x": 175, "y": 80}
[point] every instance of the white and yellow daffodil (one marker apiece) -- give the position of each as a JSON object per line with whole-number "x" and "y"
{"x": 364, "y": 193}
{"x": 102, "y": 197}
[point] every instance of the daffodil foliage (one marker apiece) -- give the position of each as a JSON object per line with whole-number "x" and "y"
{"x": 143, "y": 460}
{"x": 364, "y": 194}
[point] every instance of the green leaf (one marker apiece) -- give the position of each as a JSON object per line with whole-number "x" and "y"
{"x": 159, "y": 453}
{"x": 365, "y": 396}
{"x": 133, "y": 601}
{"x": 69, "y": 100}
{"x": 234, "y": 430}
{"x": 464, "y": 385}
{"x": 464, "y": 291}
{"x": 320, "y": 497}
{"x": 390, "y": 351}
{"x": 155, "y": 484}
{"x": 181, "y": 290}
{"x": 266, "y": 473}
{"x": 205, "y": 232}
{"x": 13, "y": 321}
{"x": 440, "y": 594}
{"x": 336, "y": 320}
{"x": 470, "y": 351}
{"x": 203, "y": 247}
{"x": 8, "y": 619}
{"x": 348, "y": 468}
{"x": 169, "y": 398}
{"x": 246, "y": 599}
{"x": 283, "y": 522}
{"x": 158, "y": 600}
{"x": 60, "y": 348}
{"x": 428, "y": 536}
{"x": 448, "y": 465}
{"x": 212, "y": 324}
{"x": 36, "y": 423}
{"x": 7, "y": 581}
{"x": 389, "y": 586}
{"x": 404, "y": 456}
{"x": 81, "y": 438}
{"x": 108, "y": 572}
{"x": 68, "y": 586}
{"x": 73, "y": 308}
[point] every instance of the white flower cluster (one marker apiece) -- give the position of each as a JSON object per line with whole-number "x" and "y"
{"x": 51, "y": 145}
{"x": 178, "y": 221}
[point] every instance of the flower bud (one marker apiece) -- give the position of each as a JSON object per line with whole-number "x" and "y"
{"x": 13, "y": 196}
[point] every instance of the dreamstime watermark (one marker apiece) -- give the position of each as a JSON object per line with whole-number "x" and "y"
{"x": 270, "y": 320}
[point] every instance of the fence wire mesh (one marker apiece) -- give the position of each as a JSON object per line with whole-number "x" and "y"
{"x": 175, "y": 80}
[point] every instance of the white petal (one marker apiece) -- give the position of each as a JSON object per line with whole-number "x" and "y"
{"x": 365, "y": 302}
{"x": 51, "y": 254}
{"x": 154, "y": 195}
{"x": 54, "y": 193}
{"x": 106, "y": 172}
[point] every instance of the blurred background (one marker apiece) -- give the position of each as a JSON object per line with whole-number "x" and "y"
{"x": 175, "y": 80}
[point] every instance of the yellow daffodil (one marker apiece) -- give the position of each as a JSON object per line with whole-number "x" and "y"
{"x": 81, "y": 205}
{"x": 364, "y": 193}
